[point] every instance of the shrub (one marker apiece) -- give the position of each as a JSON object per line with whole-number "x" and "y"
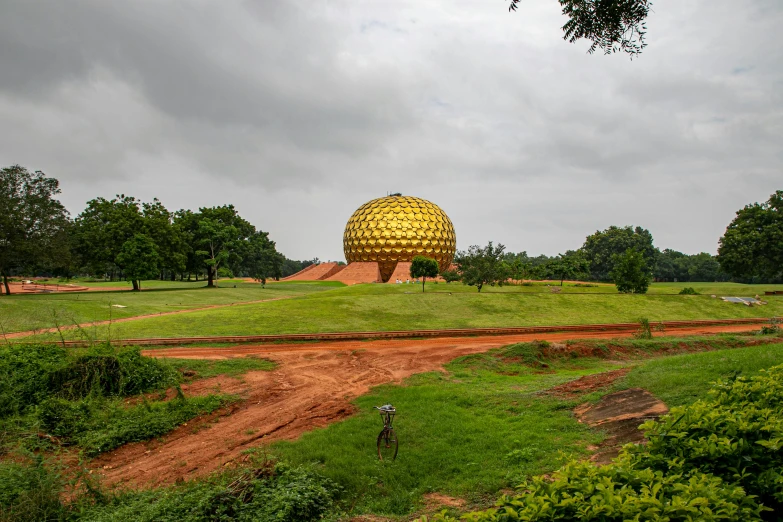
{"x": 644, "y": 331}
{"x": 688, "y": 290}
{"x": 618, "y": 492}
{"x": 736, "y": 434}
{"x": 99, "y": 425}
{"x": 23, "y": 375}
{"x": 282, "y": 495}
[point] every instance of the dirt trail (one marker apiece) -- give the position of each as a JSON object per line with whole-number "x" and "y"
{"x": 27, "y": 333}
{"x": 312, "y": 387}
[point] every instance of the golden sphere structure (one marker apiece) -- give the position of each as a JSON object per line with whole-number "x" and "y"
{"x": 399, "y": 228}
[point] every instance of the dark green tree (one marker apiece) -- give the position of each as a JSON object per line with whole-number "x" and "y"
{"x": 450, "y": 275}
{"x": 261, "y": 259}
{"x": 571, "y": 265}
{"x": 600, "y": 248}
{"x": 482, "y": 266}
{"x": 753, "y": 243}
{"x": 139, "y": 259}
{"x": 610, "y": 25}
{"x": 103, "y": 228}
{"x": 169, "y": 239}
{"x": 220, "y": 237}
{"x": 423, "y": 267}
{"x": 630, "y": 273}
{"x": 32, "y": 222}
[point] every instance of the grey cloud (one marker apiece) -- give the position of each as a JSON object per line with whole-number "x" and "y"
{"x": 300, "y": 113}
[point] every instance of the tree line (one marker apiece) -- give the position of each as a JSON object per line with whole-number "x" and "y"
{"x": 125, "y": 238}
{"x": 750, "y": 251}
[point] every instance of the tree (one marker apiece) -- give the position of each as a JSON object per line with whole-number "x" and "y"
{"x": 261, "y": 259}
{"x": 571, "y": 265}
{"x": 482, "y": 266}
{"x": 753, "y": 243}
{"x": 32, "y": 222}
{"x": 611, "y": 25}
{"x": 103, "y": 228}
{"x": 139, "y": 259}
{"x": 423, "y": 267}
{"x": 220, "y": 237}
{"x": 630, "y": 273}
{"x": 600, "y": 248}
{"x": 168, "y": 239}
{"x": 450, "y": 275}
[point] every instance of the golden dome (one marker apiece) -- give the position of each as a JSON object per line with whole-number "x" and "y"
{"x": 399, "y": 228}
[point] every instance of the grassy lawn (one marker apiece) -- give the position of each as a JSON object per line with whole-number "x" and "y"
{"x": 371, "y": 307}
{"x": 681, "y": 379}
{"x": 482, "y": 427}
{"x": 37, "y": 311}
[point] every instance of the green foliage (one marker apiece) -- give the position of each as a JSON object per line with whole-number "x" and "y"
{"x": 30, "y": 491}
{"x": 31, "y": 373}
{"x": 97, "y": 426}
{"x": 482, "y": 266}
{"x": 423, "y": 267}
{"x": 138, "y": 259}
{"x": 644, "y": 331}
{"x": 736, "y": 434}
{"x": 610, "y": 25}
{"x": 571, "y": 265}
{"x": 450, "y": 275}
{"x": 753, "y": 242}
{"x": 279, "y": 494}
{"x": 688, "y": 290}
{"x": 32, "y": 223}
{"x": 619, "y": 492}
{"x": 601, "y": 248}
{"x": 24, "y": 375}
{"x": 630, "y": 273}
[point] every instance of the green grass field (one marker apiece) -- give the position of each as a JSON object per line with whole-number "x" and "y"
{"x": 37, "y": 311}
{"x": 333, "y": 307}
{"x": 484, "y": 427}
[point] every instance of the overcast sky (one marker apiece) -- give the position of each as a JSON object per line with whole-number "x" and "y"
{"x": 300, "y": 112}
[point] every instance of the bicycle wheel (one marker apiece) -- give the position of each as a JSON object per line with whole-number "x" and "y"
{"x": 387, "y": 444}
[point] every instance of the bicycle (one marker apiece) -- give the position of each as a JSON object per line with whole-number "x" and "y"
{"x": 387, "y": 438}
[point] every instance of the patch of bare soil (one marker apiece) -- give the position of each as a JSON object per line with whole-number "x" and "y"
{"x": 620, "y": 414}
{"x": 587, "y": 384}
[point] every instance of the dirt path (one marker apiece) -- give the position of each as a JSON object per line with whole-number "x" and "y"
{"x": 312, "y": 387}
{"x": 27, "y": 333}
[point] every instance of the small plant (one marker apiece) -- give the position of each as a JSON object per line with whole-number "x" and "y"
{"x": 773, "y": 328}
{"x": 688, "y": 290}
{"x": 644, "y": 331}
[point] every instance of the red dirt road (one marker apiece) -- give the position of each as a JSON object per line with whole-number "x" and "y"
{"x": 312, "y": 387}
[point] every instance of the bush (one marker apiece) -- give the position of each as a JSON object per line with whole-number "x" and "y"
{"x": 99, "y": 425}
{"x": 31, "y": 374}
{"x": 24, "y": 374}
{"x": 736, "y": 434}
{"x": 583, "y": 491}
{"x": 282, "y": 495}
{"x": 688, "y": 290}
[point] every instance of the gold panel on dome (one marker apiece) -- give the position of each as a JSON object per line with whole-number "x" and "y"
{"x": 404, "y": 227}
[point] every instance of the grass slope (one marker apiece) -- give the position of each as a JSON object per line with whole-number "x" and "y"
{"x": 376, "y": 307}
{"x": 38, "y": 311}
